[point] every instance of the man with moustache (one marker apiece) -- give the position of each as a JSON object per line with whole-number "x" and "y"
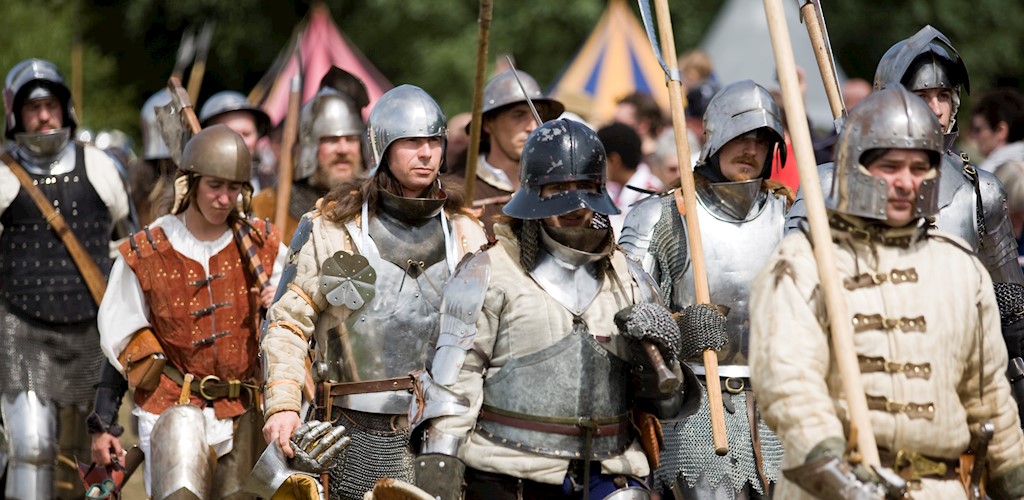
{"x": 507, "y": 122}
{"x": 742, "y": 216}
{"x": 541, "y": 339}
{"x": 925, "y": 329}
{"x": 330, "y": 154}
{"x": 50, "y": 357}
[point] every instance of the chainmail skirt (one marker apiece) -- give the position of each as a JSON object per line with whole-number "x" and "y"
{"x": 60, "y": 363}
{"x": 377, "y": 450}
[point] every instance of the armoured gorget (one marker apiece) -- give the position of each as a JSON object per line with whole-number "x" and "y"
{"x": 570, "y": 276}
{"x": 45, "y": 153}
{"x": 408, "y": 232}
{"x": 733, "y": 200}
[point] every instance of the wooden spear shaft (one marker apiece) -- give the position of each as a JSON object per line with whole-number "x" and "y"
{"x": 696, "y": 247}
{"x": 821, "y": 238}
{"x": 286, "y": 166}
{"x": 823, "y": 56}
{"x": 476, "y": 125}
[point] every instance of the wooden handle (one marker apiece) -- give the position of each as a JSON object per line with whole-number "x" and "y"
{"x": 668, "y": 382}
{"x": 843, "y": 349}
{"x": 821, "y": 55}
{"x": 188, "y": 114}
{"x": 186, "y": 389}
{"x": 686, "y": 195}
{"x": 476, "y": 123}
{"x": 286, "y": 167}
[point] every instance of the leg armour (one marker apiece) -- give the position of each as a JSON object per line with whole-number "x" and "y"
{"x": 234, "y": 468}
{"x": 31, "y": 428}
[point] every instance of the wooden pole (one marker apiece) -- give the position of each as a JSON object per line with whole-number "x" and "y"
{"x": 77, "y": 70}
{"x": 689, "y": 200}
{"x": 821, "y": 238}
{"x": 286, "y": 166}
{"x": 823, "y": 56}
{"x": 476, "y": 123}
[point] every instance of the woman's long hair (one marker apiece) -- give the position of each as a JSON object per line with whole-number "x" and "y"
{"x": 345, "y": 201}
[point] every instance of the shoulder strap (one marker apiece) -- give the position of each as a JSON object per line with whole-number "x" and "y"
{"x": 90, "y": 272}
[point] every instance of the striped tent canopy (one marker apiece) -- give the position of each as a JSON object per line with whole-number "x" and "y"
{"x": 615, "y": 61}
{"x": 321, "y": 45}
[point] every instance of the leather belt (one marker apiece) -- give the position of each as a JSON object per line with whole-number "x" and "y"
{"x": 610, "y": 426}
{"x": 337, "y": 389}
{"x": 913, "y": 466}
{"x": 211, "y": 387}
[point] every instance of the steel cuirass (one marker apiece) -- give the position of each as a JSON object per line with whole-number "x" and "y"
{"x": 735, "y": 250}
{"x": 395, "y": 332}
{"x": 572, "y": 380}
{"x": 958, "y": 210}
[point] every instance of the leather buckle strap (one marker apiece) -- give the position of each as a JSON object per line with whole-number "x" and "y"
{"x": 211, "y": 387}
{"x": 911, "y": 410}
{"x": 611, "y": 426}
{"x": 339, "y": 389}
{"x": 879, "y": 364}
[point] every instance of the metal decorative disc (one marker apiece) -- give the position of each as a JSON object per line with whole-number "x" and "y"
{"x": 347, "y": 280}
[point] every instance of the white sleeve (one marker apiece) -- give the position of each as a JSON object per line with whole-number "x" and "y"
{"x": 9, "y": 187}
{"x": 123, "y": 311}
{"x": 107, "y": 181}
{"x": 279, "y": 263}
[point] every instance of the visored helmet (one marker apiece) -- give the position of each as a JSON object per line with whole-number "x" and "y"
{"x": 892, "y": 118}
{"x": 926, "y": 60}
{"x": 226, "y": 101}
{"x": 737, "y": 109}
{"x": 404, "y": 111}
{"x": 153, "y": 145}
{"x": 328, "y": 114}
{"x": 35, "y": 78}
{"x": 560, "y": 151}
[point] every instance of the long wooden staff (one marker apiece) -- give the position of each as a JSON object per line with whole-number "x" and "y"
{"x": 696, "y": 247}
{"x": 476, "y": 124}
{"x": 821, "y": 238}
{"x": 195, "y": 79}
{"x": 286, "y": 165}
{"x": 814, "y": 20}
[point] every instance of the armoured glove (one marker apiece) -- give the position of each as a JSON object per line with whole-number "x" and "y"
{"x": 440, "y": 475}
{"x": 702, "y": 327}
{"x": 315, "y": 444}
{"x": 107, "y": 402}
{"x": 825, "y": 474}
{"x": 646, "y": 322}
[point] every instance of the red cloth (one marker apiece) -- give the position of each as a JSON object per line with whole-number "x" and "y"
{"x": 787, "y": 174}
{"x": 175, "y": 287}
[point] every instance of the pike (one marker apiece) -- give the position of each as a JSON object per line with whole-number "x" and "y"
{"x": 186, "y": 52}
{"x": 285, "y": 168}
{"x": 476, "y": 123}
{"x": 195, "y": 78}
{"x": 686, "y": 200}
{"x": 814, "y": 19}
{"x": 821, "y": 239}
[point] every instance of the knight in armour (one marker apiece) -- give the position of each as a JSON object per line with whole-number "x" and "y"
{"x": 924, "y": 325}
{"x": 50, "y": 355}
{"x": 540, "y": 365}
{"x": 189, "y": 289}
{"x": 363, "y": 295}
{"x": 972, "y": 202}
{"x": 742, "y": 217}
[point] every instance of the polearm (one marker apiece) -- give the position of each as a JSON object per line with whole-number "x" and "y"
{"x": 195, "y": 78}
{"x": 814, "y": 20}
{"x": 286, "y": 166}
{"x": 700, "y": 276}
{"x": 821, "y": 237}
{"x": 476, "y": 123}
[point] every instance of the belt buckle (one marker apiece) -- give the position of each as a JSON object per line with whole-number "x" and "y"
{"x": 734, "y": 390}
{"x": 918, "y": 465}
{"x": 202, "y": 386}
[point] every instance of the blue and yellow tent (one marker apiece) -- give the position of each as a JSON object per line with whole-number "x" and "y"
{"x": 616, "y": 60}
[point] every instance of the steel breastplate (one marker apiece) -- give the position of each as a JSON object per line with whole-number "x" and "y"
{"x": 735, "y": 251}
{"x": 574, "y": 378}
{"x": 572, "y": 277}
{"x": 958, "y": 210}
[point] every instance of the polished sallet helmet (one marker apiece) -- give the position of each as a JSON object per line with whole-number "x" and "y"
{"x": 404, "y": 111}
